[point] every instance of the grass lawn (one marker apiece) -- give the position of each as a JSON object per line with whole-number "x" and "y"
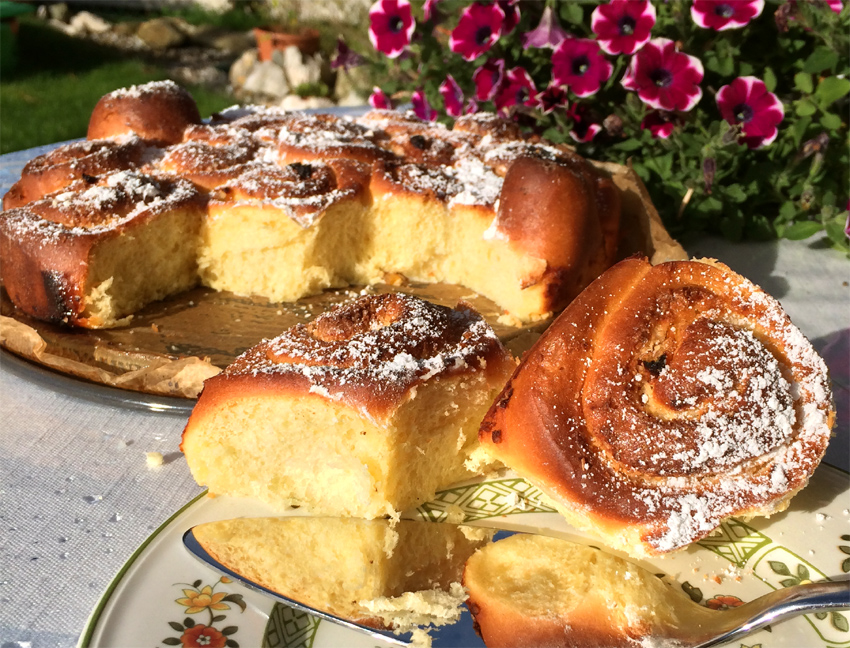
{"x": 49, "y": 96}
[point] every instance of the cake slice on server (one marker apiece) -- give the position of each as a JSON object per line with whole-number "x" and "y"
{"x": 366, "y": 411}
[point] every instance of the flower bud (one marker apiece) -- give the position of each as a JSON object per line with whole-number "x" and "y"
{"x": 709, "y": 166}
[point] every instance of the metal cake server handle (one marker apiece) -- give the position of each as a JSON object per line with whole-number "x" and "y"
{"x": 772, "y": 608}
{"x": 725, "y": 627}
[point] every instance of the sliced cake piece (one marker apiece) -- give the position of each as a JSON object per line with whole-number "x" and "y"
{"x": 366, "y": 411}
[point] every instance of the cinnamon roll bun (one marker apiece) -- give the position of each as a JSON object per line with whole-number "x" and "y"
{"x": 663, "y": 400}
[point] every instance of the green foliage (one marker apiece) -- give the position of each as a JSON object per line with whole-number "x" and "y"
{"x": 793, "y": 188}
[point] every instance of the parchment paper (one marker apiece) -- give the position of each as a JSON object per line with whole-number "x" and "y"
{"x": 170, "y": 347}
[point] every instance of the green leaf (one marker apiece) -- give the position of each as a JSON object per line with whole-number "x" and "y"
{"x": 572, "y": 12}
{"x": 171, "y": 641}
{"x": 821, "y": 59}
{"x": 802, "y": 572}
{"x": 176, "y": 626}
{"x": 746, "y": 69}
{"x": 236, "y": 598}
{"x": 231, "y": 644}
{"x": 229, "y": 630}
{"x": 798, "y": 232}
{"x": 845, "y": 566}
{"x": 629, "y": 145}
{"x": 779, "y": 567}
{"x": 844, "y": 549}
{"x": 197, "y": 584}
{"x": 832, "y": 89}
{"x": 218, "y": 617}
{"x": 830, "y": 121}
{"x": 789, "y": 582}
{"x": 805, "y": 108}
{"x": 803, "y": 82}
{"x": 188, "y": 622}
{"x": 732, "y": 227}
{"x": 736, "y": 193}
{"x": 839, "y": 622}
{"x": 769, "y": 79}
{"x": 798, "y": 130}
{"x": 821, "y": 615}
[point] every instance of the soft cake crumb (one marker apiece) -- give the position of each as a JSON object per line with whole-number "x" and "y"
{"x": 153, "y": 460}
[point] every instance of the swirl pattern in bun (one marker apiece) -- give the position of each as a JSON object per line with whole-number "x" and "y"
{"x": 366, "y": 411}
{"x": 663, "y": 400}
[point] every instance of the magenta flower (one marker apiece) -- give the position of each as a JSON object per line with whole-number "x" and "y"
{"x": 511, "y": 11}
{"x": 421, "y": 107}
{"x": 429, "y": 9}
{"x": 578, "y": 64}
{"x": 551, "y": 98}
{"x": 623, "y": 26}
{"x": 721, "y": 15}
{"x": 452, "y": 96}
{"x": 547, "y": 34}
{"x": 663, "y": 77}
{"x": 391, "y": 26}
{"x": 488, "y": 78}
{"x": 345, "y": 58}
{"x": 478, "y": 28}
{"x": 585, "y": 127}
{"x": 517, "y": 88}
{"x": 746, "y": 101}
{"x": 379, "y": 100}
{"x": 835, "y": 5}
{"x": 659, "y": 124}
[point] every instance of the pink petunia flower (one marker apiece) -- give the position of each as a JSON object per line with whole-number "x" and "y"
{"x": 488, "y": 78}
{"x": 721, "y": 15}
{"x": 517, "y": 88}
{"x": 552, "y": 97}
{"x": 746, "y": 101}
{"x": 659, "y": 124}
{"x": 429, "y": 9}
{"x": 663, "y": 77}
{"x": 478, "y": 28}
{"x": 835, "y": 5}
{"x": 511, "y": 11}
{"x": 452, "y": 96}
{"x": 547, "y": 34}
{"x": 623, "y": 26}
{"x": 421, "y": 107}
{"x": 391, "y": 26}
{"x": 578, "y": 64}
{"x": 379, "y": 100}
{"x": 585, "y": 127}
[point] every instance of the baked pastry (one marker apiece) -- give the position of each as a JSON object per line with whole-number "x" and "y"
{"x": 103, "y": 247}
{"x": 663, "y": 400}
{"x": 347, "y": 566}
{"x": 299, "y": 203}
{"x": 535, "y": 591}
{"x": 366, "y": 411}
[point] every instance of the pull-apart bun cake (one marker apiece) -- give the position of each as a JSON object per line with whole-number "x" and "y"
{"x": 663, "y": 400}
{"x": 366, "y": 411}
{"x": 284, "y": 205}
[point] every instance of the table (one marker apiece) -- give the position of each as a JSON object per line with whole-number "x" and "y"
{"x": 77, "y": 496}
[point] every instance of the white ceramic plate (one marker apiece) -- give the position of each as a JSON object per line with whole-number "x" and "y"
{"x": 164, "y": 597}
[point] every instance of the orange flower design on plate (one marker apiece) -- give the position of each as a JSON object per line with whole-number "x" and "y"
{"x": 201, "y": 636}
{"x": 198, "y": 601}
{"x": 723, "y": 602}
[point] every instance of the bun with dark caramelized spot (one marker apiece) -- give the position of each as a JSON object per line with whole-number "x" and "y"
{"x": 366, "y": 411}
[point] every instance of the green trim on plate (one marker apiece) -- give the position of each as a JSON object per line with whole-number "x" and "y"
{"x": 91, "y": 624}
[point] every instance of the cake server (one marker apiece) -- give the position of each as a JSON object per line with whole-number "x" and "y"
{"x": 728, "y": 626}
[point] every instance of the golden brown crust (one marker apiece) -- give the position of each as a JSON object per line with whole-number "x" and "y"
{"x": 46, "y": 245}
{"x": 158, "y": 112}
{"x": 368, "y": 354}
{"x": 548, "y": 204}
{"x": 663, "y": 400}
{"x": 68, "y": 163}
